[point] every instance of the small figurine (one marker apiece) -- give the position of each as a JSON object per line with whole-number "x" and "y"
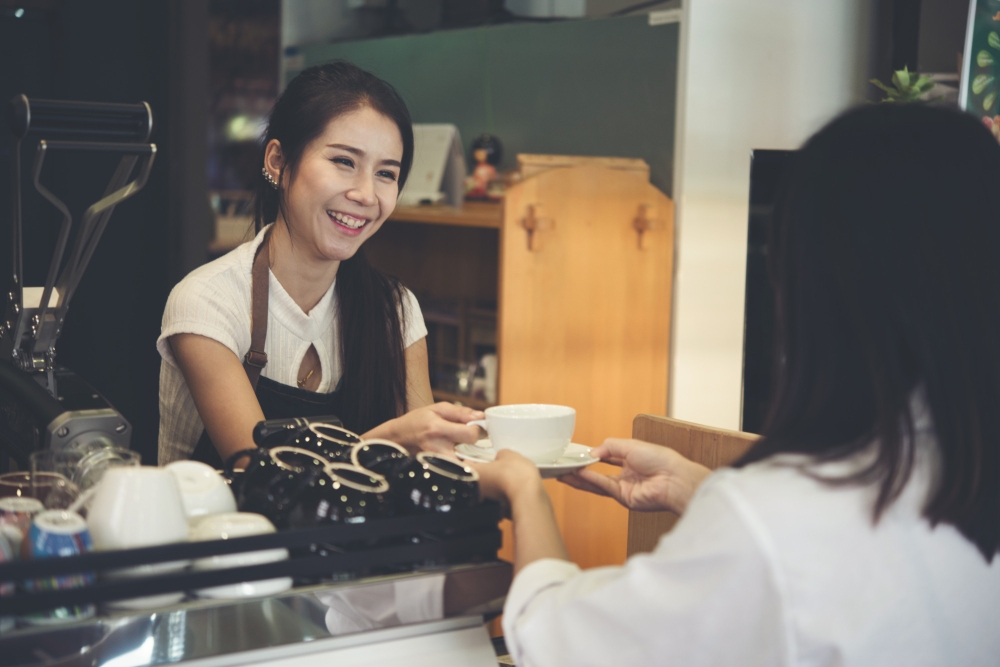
{"x": 483, "y": 182}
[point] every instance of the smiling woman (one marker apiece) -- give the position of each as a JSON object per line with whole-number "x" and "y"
{"x": 296, "y": 322}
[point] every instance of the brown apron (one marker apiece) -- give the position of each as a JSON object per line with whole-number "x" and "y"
{"x": 277, "y": 401}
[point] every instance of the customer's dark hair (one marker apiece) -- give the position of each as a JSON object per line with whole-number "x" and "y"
{"x": 885, "y": 257}
{"x": 369, "y": 303}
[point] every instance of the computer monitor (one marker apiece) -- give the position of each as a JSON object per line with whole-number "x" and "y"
{"x": 766, "y": 169}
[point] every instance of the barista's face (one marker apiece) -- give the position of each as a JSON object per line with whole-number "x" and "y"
{"x": 346, "y": 184}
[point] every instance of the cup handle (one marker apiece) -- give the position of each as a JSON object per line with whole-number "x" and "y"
{"x": 230, "y": 463}
{"x": 481, "y": 423}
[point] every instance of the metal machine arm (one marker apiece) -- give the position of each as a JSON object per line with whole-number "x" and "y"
{"x": 35, "y": 316}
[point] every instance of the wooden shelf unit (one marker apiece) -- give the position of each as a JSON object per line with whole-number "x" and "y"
{"x": 468, "y": 401}
{"x": 471, "y": 214}
{"x": 583, "y": 305}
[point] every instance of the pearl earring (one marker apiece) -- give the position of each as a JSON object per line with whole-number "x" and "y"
{"x": 269, "y": 178}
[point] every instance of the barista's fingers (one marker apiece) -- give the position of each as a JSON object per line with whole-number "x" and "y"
{"x": 454, "y": 433}
{"x": 438, "y": 446}
{"x": 427, "y": 428}
{"x": 456, "y": 413}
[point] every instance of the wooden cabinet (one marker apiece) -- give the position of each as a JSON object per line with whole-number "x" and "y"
{"x": 577, "y": 261}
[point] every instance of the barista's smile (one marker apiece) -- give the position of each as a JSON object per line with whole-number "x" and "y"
{"x": 349, "y": 222}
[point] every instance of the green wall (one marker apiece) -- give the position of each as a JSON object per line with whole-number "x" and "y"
{"x": 604, "y": 87}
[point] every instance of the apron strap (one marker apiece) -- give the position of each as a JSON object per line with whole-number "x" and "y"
{"x": 256, "y": 358}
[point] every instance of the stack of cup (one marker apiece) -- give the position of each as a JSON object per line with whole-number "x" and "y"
{"x": 58, "y": 533}
{"x": 203, "y": 490}
{"x": 231, "y": 525}
{"x": 136, "y": 507}
{"x": 16, "y": 515}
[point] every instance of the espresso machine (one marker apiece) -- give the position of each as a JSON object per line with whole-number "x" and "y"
{"x": 44, "y": 405}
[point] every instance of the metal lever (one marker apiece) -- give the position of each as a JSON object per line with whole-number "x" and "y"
{"x": 29, "y": 332}
{"x": 38, "y": 354}
{"x": 95, "y": 218}
{"x": 92, "y": 226}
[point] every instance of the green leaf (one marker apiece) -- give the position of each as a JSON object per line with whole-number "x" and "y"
{"x": 980, "y": 82}
{"x": 901, "y": 78}
{"x": 994, "y": 40}
{"x": 882, "y": 86}
{"x": 988, "y": 101}
{"x": 984, "y": 58}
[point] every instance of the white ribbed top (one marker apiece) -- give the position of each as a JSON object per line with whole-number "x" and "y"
{"x": 214, "y": 301}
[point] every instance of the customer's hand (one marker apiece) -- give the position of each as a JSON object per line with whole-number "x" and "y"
{"x": 510, "y": 479}
{"x": 437, "y": 428}
{"x": 653, "y": 478}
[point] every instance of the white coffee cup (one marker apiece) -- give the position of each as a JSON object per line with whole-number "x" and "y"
{"x": 203, "y": 490}
{"x": 538, "y": 432}
{"x": 238, "y": 524}
{"x": 137, "y": 507}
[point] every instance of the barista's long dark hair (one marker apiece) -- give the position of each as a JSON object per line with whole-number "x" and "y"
{"x": 369, "y": 302}
{"x": 885, "y": 257}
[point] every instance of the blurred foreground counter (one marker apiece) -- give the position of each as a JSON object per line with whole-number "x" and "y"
{"x": 433, "y": 617}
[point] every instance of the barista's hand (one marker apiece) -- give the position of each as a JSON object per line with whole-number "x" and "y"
{"x": 653, "y": 478}
{"x": 437, "y": 428}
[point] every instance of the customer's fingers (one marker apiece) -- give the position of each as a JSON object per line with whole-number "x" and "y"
{"x": 594, "y": 482}
{"x": 614, "y": 450}
{"x": 578, "y": 482}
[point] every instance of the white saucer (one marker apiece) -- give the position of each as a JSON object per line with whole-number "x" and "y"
{"x": 574, "y": 458}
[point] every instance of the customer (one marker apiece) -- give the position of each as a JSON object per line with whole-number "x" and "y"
{"x": 864, "y": 527}
{"x": 333, "y": 335}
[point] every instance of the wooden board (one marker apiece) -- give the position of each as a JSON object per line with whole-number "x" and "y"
{"x": 584, "y": 321}
{"x": 711, "y": 447}
{"x": 531, "y": 165}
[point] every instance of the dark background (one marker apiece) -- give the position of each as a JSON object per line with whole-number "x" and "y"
{"x": 109, "y": 51}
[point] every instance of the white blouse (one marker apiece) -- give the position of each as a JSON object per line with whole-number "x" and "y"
{"x": 214, "y": 301}
{"x": 769, "y": 566}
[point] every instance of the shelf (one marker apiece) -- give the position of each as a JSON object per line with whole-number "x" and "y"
{"x": 467, "y": 401}
{"x": 471, "y": 214}
{"x": 433, "y": 317}
{"x": 454, "y": 319}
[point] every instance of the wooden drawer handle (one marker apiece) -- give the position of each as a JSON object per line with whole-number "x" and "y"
{"x": 644, "y": 222}
{"x": 532, "y": 223}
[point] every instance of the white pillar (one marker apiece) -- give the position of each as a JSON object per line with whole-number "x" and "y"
{"x": 753, "y": 74}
